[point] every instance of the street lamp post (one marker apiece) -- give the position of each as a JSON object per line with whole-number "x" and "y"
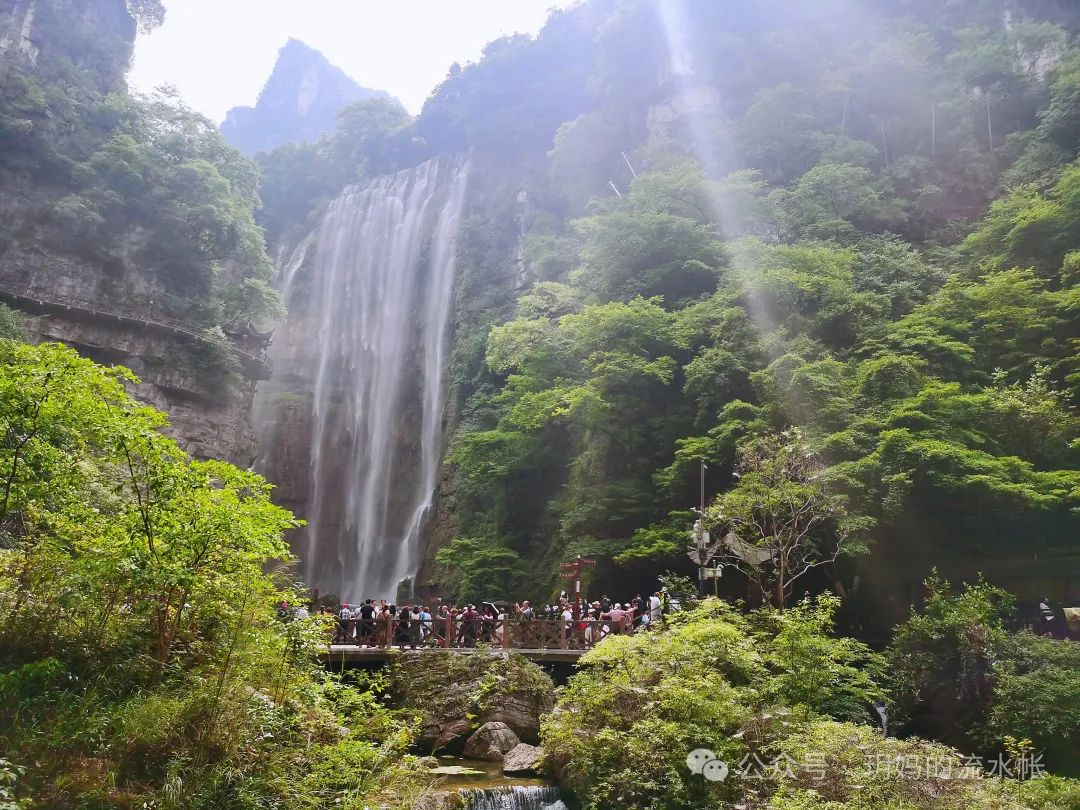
{"x": 701, "y": 536}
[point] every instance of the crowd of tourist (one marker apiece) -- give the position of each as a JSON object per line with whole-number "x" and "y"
{"x": 378, "y": 623}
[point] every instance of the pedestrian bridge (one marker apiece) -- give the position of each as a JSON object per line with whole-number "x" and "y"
{"x": 541, "y": 640}
{"x": 346, "y": 655}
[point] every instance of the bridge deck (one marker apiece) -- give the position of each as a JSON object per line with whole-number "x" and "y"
{"x": 540, "y": 640}
{"x": 351, "y": 654}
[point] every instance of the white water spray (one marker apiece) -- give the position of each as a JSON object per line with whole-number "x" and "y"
{"x": 376, "y": 293}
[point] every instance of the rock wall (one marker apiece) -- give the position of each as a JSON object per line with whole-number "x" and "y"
{"x": 104, "y": 296}
{"x": 492, "y": 272}
{"x": 73, "y": 302}
{"x": 453, "y": 695}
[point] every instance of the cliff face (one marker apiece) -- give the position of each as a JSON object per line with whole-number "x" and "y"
{"x": 69, "y": 302}
{"x": 84, "y": 225}
{"x": 87, "y": 32}
{"x": 115, "y": 311}
{"x": 299, "y": 103}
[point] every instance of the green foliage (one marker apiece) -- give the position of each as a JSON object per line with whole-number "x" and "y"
{"x": 370, "y": 139}
{"x": 141, "y": 186}
{"x": 12, "y": 324}
{"x": 142, "y": 657}
{"x": 831, "y": 202}
{"x": 623, "y": 726}
{"x": 812, "y": 668}
{"x": 800, "y": 239}
{"x": 649, "y": 253}
{"x": 518, "y": 94}
{"x": 986, "y": 683}
{"x": 479, "y": 571}
{"x": 250, "y": 303}
{"x": 949, "y": 648}
{"x": 783, "y": 520}
{"x": 149, "y": 14}
{"x": 1037, "y": 696}
{"x": 849, "y": 772}
{"x": 765, "y": 689}
{"x": 1030, "y": 228}
{"x": 9, "y": 778}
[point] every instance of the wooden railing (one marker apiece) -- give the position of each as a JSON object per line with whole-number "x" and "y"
{"x": 507, "y": 633}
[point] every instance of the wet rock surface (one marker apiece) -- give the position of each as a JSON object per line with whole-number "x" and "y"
{"x": 523, "y": 759}
{"x": 491, "y": 741}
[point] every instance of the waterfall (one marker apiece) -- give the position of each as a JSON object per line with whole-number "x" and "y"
{"x": 513, "y": 798}
{"x": 365, "y": 347}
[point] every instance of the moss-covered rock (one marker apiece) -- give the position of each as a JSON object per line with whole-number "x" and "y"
{"x": 453, "y": 694}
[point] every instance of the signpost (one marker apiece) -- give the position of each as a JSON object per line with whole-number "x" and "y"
{"x": 702, "y": 548}
{"x": 572, "y": 570}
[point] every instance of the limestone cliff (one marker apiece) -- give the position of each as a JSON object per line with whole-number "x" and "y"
{"x": 95, "y": 242}
{"x": 299, "y": 103}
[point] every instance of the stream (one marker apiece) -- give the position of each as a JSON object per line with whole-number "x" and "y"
{"x": 484, "y": 787}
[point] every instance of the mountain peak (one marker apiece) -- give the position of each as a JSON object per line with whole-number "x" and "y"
{"x": 299, "y": 102}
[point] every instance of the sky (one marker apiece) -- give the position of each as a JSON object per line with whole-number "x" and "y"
{"x": 219, "y": 53}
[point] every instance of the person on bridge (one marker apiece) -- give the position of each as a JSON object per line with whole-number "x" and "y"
{"x": 445, "y": 618}
{"x": 1046, "y": 615}
{"x": 617, "y": 617}
{"x": 426, "y": 628}
{"x": 567, "y": 617}
{"x": 470, "y": 626}
{"x": 487, "y": 625}
{"x": 641, "y": 610}
{"x": 414, "y": 633}
{"x": 366, "y": 630}
{"x": 344, "y": 620}
{"x": 382, "y": 626}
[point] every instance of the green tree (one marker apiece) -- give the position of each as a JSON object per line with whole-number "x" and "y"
{"x": 782, "y": 519}
{"x": 137, "y": 618}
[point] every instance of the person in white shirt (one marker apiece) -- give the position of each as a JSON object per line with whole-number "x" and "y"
{"x": 426, "y": 626}
{"x": 655, "y": 613}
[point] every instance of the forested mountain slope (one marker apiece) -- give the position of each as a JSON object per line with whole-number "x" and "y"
{"x": 858, "y": 219}
{"x": 831, "y": 250}
{"x": 127, "y": 223}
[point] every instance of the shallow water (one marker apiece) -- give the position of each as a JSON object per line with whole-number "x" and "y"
{"x": 490, "y": 776}
{"x": 490, "y": 789}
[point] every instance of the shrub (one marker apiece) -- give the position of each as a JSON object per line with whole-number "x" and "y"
{"x": 624, "y": 725}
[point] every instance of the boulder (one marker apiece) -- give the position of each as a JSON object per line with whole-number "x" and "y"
{"x": 523, "y": 759}
{"x": 440, "y": 800}
{"x": 453, "y": 693}
{"x": 490, "y": 742}
{"x": 521, "y": 711}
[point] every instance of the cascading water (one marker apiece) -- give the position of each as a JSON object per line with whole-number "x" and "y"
{"x": 513, "y": 798}
{"x": 365, "y": 349}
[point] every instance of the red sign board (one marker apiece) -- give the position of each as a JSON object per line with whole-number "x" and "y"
{"x": 577, "y": 563}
